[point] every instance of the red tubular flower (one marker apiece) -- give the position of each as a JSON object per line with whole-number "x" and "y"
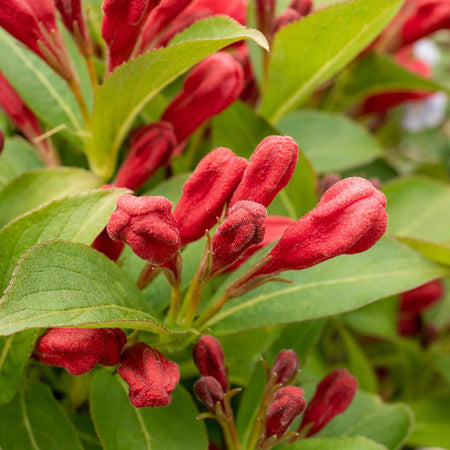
{"x": 206, "y": 192}
{"x": 236, "y": 9}
{"x": 286, "y": 18}
{"x": 350, "y": 218}
{"x": 79, "y": 350}
{"x": 243, "y": 227}
{"x": 150, "y": 376}
{"x": 270, "y": 168}
{"x": 420, "y": 298}
{"x": 209, "y": 392}
{"x": 151, "y": 148}
{"x": 148, "y": 226}
{"x": 287, "y": 404}
{"x": 212, "y": 86}
{"x": 73, "y": 19}
{"x": 304, "y": 7}
{"x": 104, "y": 244}
{"x": 285, "y": 366}
{"x": 210, "y": 360}
{"x": 123, "y": 21}
{"x": 333, "y": 396}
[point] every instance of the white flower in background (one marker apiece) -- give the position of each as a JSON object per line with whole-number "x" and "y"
{"x": 427, "y": 51}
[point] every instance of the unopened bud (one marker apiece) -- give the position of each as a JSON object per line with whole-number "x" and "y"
{"x": 210, "y": 359}
{"x": 286, "y": 18}
{"x": 420, "y": 298}
{"x": 209, "y": 392}
{"x": 206, "y": 192}
{"x": 304, "y": 7}
{"x": 148, "y": 226}
{"x": 285, "y": 366}
{"x": 73, "y": 19}
{"x": 150, "y": 376}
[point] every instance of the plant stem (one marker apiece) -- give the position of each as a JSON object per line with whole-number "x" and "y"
{"x": 174, "y": 305}
{"x": 92, "y": 72}
{"x": 192, "y": 301}
{"x": 146, "y": 276}
{"x": 74, "y": 86}
{"x": 211, "y": 311}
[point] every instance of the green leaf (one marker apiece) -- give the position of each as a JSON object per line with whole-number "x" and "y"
{"x": 36, "y": 187}
{"x": 373, "y": 74}
{"x": 121, "y": 426}
{"x": 35, "y": 420}
{"x": 437, "y": 252}
{"x": 348, "y": 443}
{"x": 44, "y": 92}
{"x": 123, "y": 95}
{"x": 62, "y": 284}
{"x": 413, "y": 204}
{"x": 17, "y": 157}
{"x": 331, "y": 142}
{"x": 311, "y": 51}
{"x": 333, "y": 287}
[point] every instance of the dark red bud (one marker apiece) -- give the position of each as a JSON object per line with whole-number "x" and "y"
{"x": 209, "y": 358}
{"x": 150, "y": 376}
{"x": 420, "y": 298}
{"x": 73, "y": 19}
{"x": 206, "y": 192}
{"x": 287, "y": 404}
{"x": 151, "y": 148}
{"x": 79, "y": 350}
{"x": 209, "y": 392}
{"x": 350, "y": 218}
{"x": 212, "y": 86}
{"x": 333, "y": 396}
{"x": 304, "y": 7}
{"x": 270, "y": 168}
{"x": 285, "y": 366}
{"x": 148, "y": 226}
{"x": 286, "y": 18}
{"x": 409, "y": 323}
{"x": 243, "y": 227}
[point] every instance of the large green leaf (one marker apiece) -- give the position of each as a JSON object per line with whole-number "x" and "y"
{"x": 62, "y": 284}
{"x": 373, "y": 74}
{"x": 44, "y": 92}
{"x": 331, "y": 142}
{"x": 34, "y": 188}
{"x": 35, "y": 420}
{"x": 347, "y": 443}
{"x": 336, "y": 286}
{"x": 173, "y": 427}
{"x": 309, "y": 52}
{"x": 132, "y": 85}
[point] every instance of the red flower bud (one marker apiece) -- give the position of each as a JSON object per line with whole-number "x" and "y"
{"x": 147, "y": 225}
{"x": 270, "y": 168}
{"x": 151, "y": 148}
{"x": 209, "y": 392}
{"x": 122, "y": 25}
{"x": 409, "y": 323}
{"x": 243, "y": 227}
{"x": 304, "y": 7}
{"x": 287, "y": 404}
{"x": 72, "y": 17}
{"x": 333, "y": 396}
{"x": 285, "y": 366}
{"x": 420, "y": 298}
{"x": 104, "y": 244}
{"x": 206, "y": 192}
{"x": 150, "y": 376}
{"x": 236, "y": 9}
{"x": 350, "y": 218}
{"x": 210, "y": 360}
{"x": 286, "y": 18}
{"x": 79, "y": 350}
{"x": 212, "y": 86}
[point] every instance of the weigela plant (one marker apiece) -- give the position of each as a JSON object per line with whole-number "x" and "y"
{"x": 217, "y": 210}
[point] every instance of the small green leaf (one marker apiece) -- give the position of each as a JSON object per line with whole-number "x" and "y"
{"x": 331, "y": 142}
{"x": 35, "y": 420}
{"x": 172, "y": 427}
{"x": 309, "y": 52}
{"x": 36, "y": 187}
{"x": 347, "y": 443}
{"x": 436, "y": 252}
{"x": 61, "y": 284}
{"x": 123, "y": 95}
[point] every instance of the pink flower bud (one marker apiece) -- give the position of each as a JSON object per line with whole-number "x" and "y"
{"x": 104, "y": 244}
{"x": 350, "y": 218}
{"x": 79, "y": 350}
{"x": 122, "y": 25}
{"x": 270, "y": 168}
{"x": 420, "y": 298}
{"x": 206, "y": 192}
{"x": 148, "y": 226}
{"x": 150, "y": 376}
{"x": 243, "y": 227}
{"x": 210, "y": 360}
{"x": 286, "y": 18}
{"x": 285, "y": 366}
{"x": 213, "y": 85}
{"x": 209, "y": 392}
{"x": 151, "y": 148}
{"x": 287, "y": 404}
{"x": 73, "y": 19}
{"x": 304, "y": 7}
{"x": 333, "y": 396}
